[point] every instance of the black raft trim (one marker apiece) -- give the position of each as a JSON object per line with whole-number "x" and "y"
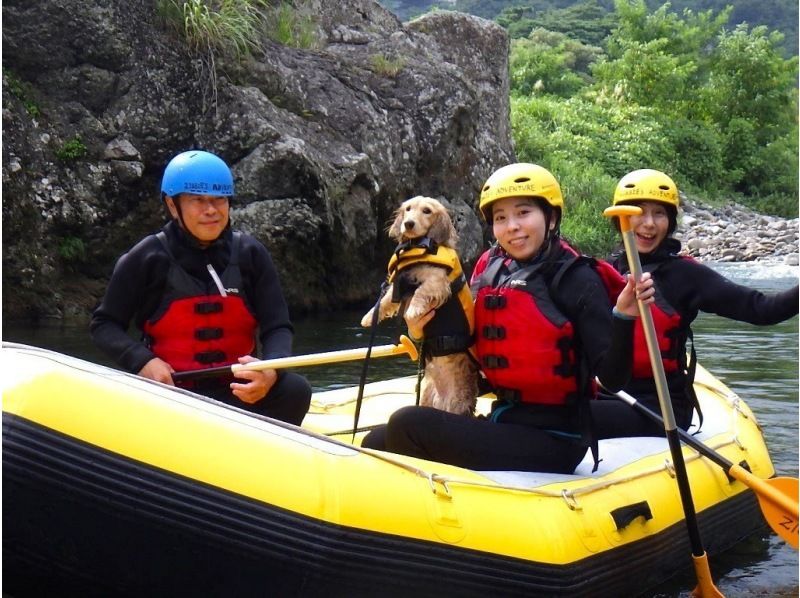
{"x": 78, "y": 519}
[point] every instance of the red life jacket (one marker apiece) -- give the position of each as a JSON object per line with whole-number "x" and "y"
{"x": 672, "y": 335}
{"x": 667, "y": 323}
{"x": 192, "y": 329}
{"x": 525, "y": 344}
{"x": 529, "y": 347}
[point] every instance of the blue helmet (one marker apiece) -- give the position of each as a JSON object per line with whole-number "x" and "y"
{"x": 197, "y": 172}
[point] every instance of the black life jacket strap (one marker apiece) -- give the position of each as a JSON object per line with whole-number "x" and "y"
{"x": 690, "y": 373}
{"x": 373, "y": 327}
{"x": 420, "y": 370}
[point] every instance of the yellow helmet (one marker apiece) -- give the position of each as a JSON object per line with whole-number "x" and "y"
{"x": 520, "y": 180}
{"x": 646, "y": 185}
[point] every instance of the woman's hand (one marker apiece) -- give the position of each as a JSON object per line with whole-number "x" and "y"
{"x": 258, "y": 384}
{"x": 416, "y": 325}
{"x": 158, "y": 370}
{"x": 644, "y": 291}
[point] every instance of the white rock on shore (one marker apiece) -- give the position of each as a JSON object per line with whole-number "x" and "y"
{"x": 735, "y": 233}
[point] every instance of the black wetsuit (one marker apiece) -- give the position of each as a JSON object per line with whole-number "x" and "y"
{"x": 137, "y": 287}
{"x": 689, "y": 287}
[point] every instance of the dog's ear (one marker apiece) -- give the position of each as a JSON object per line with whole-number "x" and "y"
{"x": 395, "y": 229}
{"x": 442, "y": 230}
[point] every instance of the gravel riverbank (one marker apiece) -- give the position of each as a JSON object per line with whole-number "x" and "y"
{"x": 736, "y": 234}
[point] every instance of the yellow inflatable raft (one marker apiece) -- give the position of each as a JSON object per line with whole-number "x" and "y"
{"x": 115, "y": 485}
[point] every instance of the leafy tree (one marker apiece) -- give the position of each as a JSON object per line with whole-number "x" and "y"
{"x": 752, "y": 98}
{"x": 647, "y": 74}
{"x": 550, "y": 62}
{"x": 615, "y": 137}
{"x": 727, "y": 99}
{"x": 776, "y": 15}
{"x": 656, "y": 59}
{"x": 517, "y": 20}
{"x": 488, "y": 9}
{"x": 586, "y": 21}
{"x": 750, "y": 79}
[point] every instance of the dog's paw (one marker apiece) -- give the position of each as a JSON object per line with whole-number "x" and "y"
{"x": 366, "y": 321}
{"x": 417, "y": 309}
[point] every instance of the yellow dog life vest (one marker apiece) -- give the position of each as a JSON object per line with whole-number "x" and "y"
{"x": 451, "y": 330}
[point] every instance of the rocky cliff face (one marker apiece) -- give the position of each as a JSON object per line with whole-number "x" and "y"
{"x": 324, "y": 143}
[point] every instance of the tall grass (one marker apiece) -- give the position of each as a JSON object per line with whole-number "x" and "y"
{"x": 386, "y": 67}
{"x": 221, "y": 27}
{"x": 292, "y": 26}
{"x": 234, "y": 28}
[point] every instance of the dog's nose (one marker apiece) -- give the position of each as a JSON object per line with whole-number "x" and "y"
{"x": 409, "y": 224}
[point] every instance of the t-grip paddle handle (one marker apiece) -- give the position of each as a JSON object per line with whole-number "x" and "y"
{"x": 624, "y": 213}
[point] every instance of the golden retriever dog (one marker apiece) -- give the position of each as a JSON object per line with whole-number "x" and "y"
{"x": 451, "y": 379}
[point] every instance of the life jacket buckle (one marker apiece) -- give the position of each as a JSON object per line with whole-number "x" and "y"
{"x": 512, "y": 396}
{"x": 210, "y": 357}
{"x": 493, "y": 333}
{"x": 208, "y": 307}
{"x": 495, "y": 361}
{"x": 208, "y": 334}
{"x": 494, "y": 301}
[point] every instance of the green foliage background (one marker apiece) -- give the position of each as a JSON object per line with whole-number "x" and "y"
{"x": 599, "y": 89}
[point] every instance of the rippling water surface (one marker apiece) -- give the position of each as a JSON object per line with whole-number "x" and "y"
{"x": 758, "y": 363}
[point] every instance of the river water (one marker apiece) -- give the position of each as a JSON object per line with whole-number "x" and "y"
{"x": 758, "y": 363}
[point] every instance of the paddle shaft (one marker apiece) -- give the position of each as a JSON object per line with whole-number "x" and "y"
{"x": 404, "y": 347}
{"x": 624, "y": 213}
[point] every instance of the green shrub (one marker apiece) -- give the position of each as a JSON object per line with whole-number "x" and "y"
{"x": 71, "y": 150}
{"x": 616, "y": 137}
{"x": 234, "y": 28}
{"x": 587, "y": 192}
{"x": 292, "y": 26}
{"x": 387, "y": 67}
{"x": 698, "y": 153}
{"x": 22, "y": 91}
{"x": 776, "y": 204}
{"x": 72, "y": 250}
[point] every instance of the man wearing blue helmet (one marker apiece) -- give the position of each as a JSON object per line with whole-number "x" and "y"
{"x": 203, "y": 296}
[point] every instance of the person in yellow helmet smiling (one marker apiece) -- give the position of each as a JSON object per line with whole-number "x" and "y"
{"x": 683, "y": 288}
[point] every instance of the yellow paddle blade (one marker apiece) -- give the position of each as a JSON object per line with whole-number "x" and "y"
{"x": 782, "y": 521}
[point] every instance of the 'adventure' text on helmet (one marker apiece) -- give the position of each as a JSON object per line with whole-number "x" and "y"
{"x": 520, "y": 180}
{"x": 646, "y": 185}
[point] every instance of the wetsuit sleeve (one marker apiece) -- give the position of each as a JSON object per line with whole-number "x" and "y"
{"x": 606, "y": 341}
{"x": 275, "y": 331}
{"x": 701, "y": 288}
{"x": 128, "y": 289}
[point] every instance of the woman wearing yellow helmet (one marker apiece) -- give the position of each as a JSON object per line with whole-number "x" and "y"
{"x": 544, "y": 330}
{"x": 683, "y": 287}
